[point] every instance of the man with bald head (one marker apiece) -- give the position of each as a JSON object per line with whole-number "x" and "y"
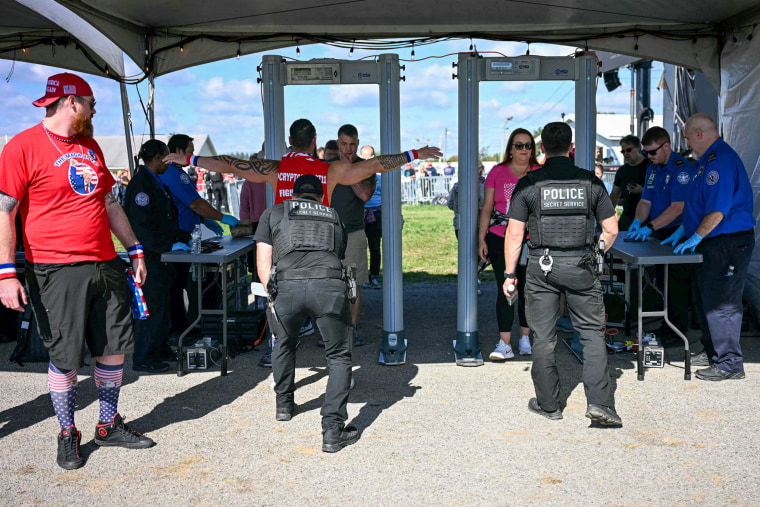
{"x": 718, "y": 222}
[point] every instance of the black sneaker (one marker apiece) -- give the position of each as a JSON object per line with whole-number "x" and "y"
{"x": 68, "y": 449}
{"x": 266, "y": 361}
{"x": 700, "y": 359}
{"x": 714, "y": 373}
{"x": 534, "y": 407}
{"x": 606, "y": 416}
{"x": 117, "y": 434}
{"x": 151, "y": 367}
{"x": 358, "y": 340}
{"x": 333, "y": 440}
{"x": 374, "y": 283}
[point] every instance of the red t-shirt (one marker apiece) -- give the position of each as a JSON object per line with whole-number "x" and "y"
{"x": 61, "y": 188}
{"x": 294, "y": 165}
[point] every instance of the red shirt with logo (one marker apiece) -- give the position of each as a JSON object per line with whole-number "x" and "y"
{"x": 294, "y": 165}
{"x": 60, "y": 184}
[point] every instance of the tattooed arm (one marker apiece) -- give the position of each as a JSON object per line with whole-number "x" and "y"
{"x": 12, "y": 292}
{"x": 346, "y": 173}
{"x": 122, "y": 229}
{"x": 255, "y": 171}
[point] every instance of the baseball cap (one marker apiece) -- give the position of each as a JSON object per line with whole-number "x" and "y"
{"x": 62, "y": 85}
{"x": 307, "y": 184}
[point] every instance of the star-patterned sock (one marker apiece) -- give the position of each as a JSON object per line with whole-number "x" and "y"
{"x": 108, "y": 379}
{"x": 63, "y": 392}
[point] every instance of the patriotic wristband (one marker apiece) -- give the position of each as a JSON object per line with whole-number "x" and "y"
{"x": 411, "y": 155}
{"x": 136, "y": 252}
{"x": 7, "y": 271}
{"x": 193, "y": 160}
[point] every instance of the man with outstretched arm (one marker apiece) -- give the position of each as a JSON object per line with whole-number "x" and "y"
{"x": 282, "y": 174}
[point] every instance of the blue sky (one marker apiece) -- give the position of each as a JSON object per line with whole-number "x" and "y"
{"x": 223, "y": 100}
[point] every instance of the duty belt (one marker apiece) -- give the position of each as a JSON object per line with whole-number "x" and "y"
{"x": 306, "y": 274}
{"x": 557, "y": 252}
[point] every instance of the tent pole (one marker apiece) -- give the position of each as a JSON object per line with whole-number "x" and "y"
{"x": 151, "y": 105}
{"x": 127, "y": 135}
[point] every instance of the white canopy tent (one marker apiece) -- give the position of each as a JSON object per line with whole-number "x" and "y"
{"x": 719, "y": 39}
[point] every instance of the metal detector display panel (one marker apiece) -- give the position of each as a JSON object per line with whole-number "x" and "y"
{"x": 312, "y": 73}
{"x": 522, "y": 68}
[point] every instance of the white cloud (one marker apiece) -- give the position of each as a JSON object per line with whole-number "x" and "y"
{"x": 515, "y": 86}
{"x": 353, "y": 96}
{"x": 218, "y": 88}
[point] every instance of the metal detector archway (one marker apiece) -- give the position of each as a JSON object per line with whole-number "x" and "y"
{"x": 472, "y": 69}
{"x": 385, "y": 72}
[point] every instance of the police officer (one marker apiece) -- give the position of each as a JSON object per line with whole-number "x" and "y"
{"x": 193, "y": 210}
{"x": 153, "y": 215}
{"x": 719, "y": 223}
{"x": 559, "y": 203}
{"x": 300, "y": 244}
{"x": 662, "y": 202}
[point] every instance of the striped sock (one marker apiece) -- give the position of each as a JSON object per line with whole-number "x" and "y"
{"x": 108, "y": 379}
{"x": 63, "y": 392}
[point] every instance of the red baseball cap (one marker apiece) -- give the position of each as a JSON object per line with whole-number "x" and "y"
{"x": 62, "y": 85}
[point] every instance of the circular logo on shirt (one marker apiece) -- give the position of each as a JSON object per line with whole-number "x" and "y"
{"x": 184, "y": 178}
{"x": 82, "y": 178}
{"x": 712, "y": 177}
{"x": 92, "y": 154}
{"x": 683, "y": 177}
{"x": 142, "y": 199}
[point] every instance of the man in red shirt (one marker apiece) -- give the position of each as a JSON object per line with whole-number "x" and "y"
{"x": 55, "y": 176}
{"x": 281, "y": 174}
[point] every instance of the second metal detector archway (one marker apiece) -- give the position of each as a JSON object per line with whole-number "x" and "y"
{"x": 385, "y": 72}
{"x": 472, "y": 69}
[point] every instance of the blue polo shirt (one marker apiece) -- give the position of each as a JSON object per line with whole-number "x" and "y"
{"x": 376, "y": 200}
{"x": 721, "y": 184}
{"x": 667, "y": 184}
{"x": 184, "y": 192}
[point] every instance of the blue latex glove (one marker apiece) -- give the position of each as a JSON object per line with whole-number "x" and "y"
{"x": 674, "y": 238}
{"x": 689, "y": 244}
{"x": 180, "y": 246}
{"x": 230, "y": 220}
{"x": 642, "y": 234}
{"x": 214, "y": 226}
{"x": 635, "y": 226}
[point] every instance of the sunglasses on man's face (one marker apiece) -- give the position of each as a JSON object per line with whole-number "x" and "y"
{"x": 523, "y": 146}
{"x": 627, "y": 150}
{"x": 651, "y": 153}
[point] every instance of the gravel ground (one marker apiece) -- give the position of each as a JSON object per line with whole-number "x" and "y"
{"x": 432, "y": 433}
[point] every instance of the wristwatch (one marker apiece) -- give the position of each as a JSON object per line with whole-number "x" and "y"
{"x": 510, "y": 275}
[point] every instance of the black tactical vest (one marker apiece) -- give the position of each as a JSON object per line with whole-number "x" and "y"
{"x": 307, "y": 226}
{"x": 563, "y": 218}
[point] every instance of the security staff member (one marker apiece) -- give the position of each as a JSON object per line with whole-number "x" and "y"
{"x": 662, "y": 201}
{"x": 193, "y": 210}
{"x": 301, "y": 242}
{"x": 719, "y": 223}
{"x": 559, "y": 203}
{"x": 153, "y": 215}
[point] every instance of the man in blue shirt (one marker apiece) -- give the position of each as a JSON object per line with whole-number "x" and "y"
{"x": 718, "y": 222}
{"x": 193, "y": 210}
{"x": 662, "y": 201}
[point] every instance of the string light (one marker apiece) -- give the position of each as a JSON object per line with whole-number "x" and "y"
{"x": 238, "y": 51}
{"x": 412, "y": 50}
{"x": 298, "y": 48}
{"x": 181, "y": 47}
{"x": 351, "y": 53}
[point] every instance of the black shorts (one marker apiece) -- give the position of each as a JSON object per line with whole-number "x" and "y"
{"x": 85, "y": 301}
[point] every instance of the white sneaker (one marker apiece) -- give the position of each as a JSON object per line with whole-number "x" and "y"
{"x": 525, "y": 349}
{"x": 502, "y": 352}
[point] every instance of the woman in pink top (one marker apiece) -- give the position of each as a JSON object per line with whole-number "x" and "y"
{"x": 519, "y": 158}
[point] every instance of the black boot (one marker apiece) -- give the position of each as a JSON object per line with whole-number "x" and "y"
{"x": 335, "y": 439}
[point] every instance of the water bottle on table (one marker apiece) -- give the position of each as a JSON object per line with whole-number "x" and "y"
{"x": 195, "y": 245}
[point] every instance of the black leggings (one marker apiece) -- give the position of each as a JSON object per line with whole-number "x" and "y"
{"x": 505, "y": 313}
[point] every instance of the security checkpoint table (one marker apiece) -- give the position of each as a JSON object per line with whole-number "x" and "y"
{"x": 652, "y": 253}
{"x": 230, "y": 253}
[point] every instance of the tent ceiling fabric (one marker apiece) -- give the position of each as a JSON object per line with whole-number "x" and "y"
{"x": 266, "y": 26}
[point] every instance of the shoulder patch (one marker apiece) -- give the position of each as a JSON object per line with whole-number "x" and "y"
{"x": 712, "y": 177}
{"x": 184, "y": 178}
{"x": 712, "y": 157}
{"x": 683, "y": 177}
{"x": 142, "y": 199}
{"x": 680, "y": 163}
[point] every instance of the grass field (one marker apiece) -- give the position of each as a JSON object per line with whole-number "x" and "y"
{"x": 429, "y": 247}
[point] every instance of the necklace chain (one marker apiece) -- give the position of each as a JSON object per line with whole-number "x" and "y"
{"x": 52, "y": 136}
